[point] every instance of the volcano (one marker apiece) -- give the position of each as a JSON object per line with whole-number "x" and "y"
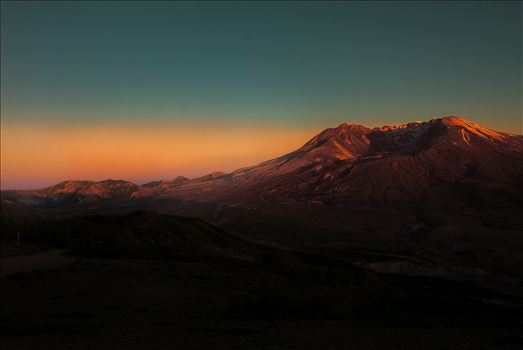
{"x": 350, "y": 164}
{"x": 390, "y": 165}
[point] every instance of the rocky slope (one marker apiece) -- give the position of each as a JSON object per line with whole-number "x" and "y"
{"x": 439, "y": 160}
{"x": 380, "y": 166}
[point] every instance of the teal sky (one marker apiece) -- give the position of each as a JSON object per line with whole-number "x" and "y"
{"x": 297, "y": 63}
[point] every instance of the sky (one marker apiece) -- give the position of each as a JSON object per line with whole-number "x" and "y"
{"x": 153, "y": 90}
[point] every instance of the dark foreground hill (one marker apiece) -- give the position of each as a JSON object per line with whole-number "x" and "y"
{"x": 153, "y": 281}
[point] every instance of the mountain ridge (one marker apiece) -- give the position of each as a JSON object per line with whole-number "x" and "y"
{"x": 349, "y": 162}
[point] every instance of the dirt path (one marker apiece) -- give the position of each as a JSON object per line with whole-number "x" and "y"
{"x": 48, "y": 260}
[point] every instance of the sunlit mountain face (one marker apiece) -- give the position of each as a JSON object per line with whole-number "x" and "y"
{"x": 349, "y": 164}
{"x": 261, "y": 175}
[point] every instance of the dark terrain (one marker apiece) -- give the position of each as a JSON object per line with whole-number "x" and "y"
{"x": 203, "y": 287}
{"x": 400, "y": 237}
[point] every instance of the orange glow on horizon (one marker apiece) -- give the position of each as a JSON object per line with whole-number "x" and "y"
{"x": 38, "y": 156}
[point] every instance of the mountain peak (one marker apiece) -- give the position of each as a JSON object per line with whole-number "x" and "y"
{"x": 347, "y": 126}
{"x": 74, "y": 182}
{"x": 180, "y": 178}
{"x": 409, "y": 125}
{"x": 114, "y": 182}
{"x": 343, "y": 131}
{"x": 212, "y": 176}
{"x": 465, "y": 127}
{"x": 454, "y": 120}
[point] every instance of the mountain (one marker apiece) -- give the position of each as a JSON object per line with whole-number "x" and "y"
{"x": 69, "y": 192}
{"x": 390, "y": 165}
{"x": 440, "y": 160}
{"x": 165, "y": 185}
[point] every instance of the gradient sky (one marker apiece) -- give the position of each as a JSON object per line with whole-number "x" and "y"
{"x": 149, "y": 90}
